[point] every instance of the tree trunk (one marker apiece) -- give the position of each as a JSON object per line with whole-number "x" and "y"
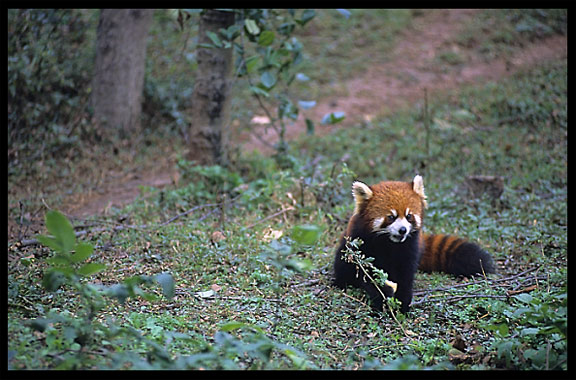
{"x": 208, "y": 136}
{"x": 118, "y": 78}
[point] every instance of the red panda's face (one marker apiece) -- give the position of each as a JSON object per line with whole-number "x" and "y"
{"x": 391, "y": 208}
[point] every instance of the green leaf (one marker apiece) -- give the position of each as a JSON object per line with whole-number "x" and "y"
{"x": 529, "y": 331}
{"x": 287, "y": 109}
{"x": 60, "y": 228}
{"x": 307, "y": 15}
{"x": 252, "y": 27}
{"x": 524, "y": 298}
{"x": 59, "y": 261}
{"x": 252, "y": 63}
{"x": 166, "y": 281}
{"x": 259, "y": 91}
{"x": 52, "y": 280}
{"x": 118, "y": 291}
{"x": 83, "y": 251}
{"x": 40, "y": 324}
{"x": 146, "y": 295}
{"x": 505, "y": 349}
{"x": 300, "y": 265}
{"x": 214, "y": 38}
{"x": 309, "y": 127}
{"x": 234, "y": 325}
{"x": 266, "y": 38}
{"x": 298, "y": 359}
{"x": 231, "y": 326}
{"x": 268, "y": 80}
{"x": 91, "y": 268}
{"x": 333, "y": 117}
{"x": 306, "y": 234}
{"x": 537, "y": 357}
{"x": 50, "y": 242}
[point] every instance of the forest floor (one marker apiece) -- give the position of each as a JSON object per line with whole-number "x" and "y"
{"x": 415, "y": 64}
{"x": 240, "y": 256}
{"x": 380, "y": 90}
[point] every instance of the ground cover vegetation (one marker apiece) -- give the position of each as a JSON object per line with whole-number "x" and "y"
{"x": 230, "y": 268}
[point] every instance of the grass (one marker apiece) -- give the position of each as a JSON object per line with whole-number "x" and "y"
{"x": 237, "y": 258}
{"x": 497, "y": 33}
{"x": 230, "y": 264}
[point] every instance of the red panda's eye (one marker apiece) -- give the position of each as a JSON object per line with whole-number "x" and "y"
{"x": 391, "y": 218}
{"x": 409, "y": 217}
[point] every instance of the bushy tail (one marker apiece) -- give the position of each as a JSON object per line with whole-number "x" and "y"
{"x": 454, "y": 255}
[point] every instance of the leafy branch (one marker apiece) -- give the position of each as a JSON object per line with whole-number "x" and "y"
{"x": 268, "y": 54}
{"x": 353, "y": 255}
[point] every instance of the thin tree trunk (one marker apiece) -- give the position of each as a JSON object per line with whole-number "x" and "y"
{"x": 208, "y": 137}
{"x": 119, "y": 69}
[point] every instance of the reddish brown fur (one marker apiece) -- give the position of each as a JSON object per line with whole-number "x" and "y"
{"x": 400, "y": 260}
{"x": 391, "y": 195}
{"x": 437, "y": 251}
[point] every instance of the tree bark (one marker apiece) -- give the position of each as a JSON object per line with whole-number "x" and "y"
{"x": 208, "y": 137}
{"x": 118, "y": 78}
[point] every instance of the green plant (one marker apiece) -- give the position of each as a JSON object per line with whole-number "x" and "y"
{"x": 275, "y": 57}
{"x": 515, "y": 128}
{"x": 208, "y": 182}
{"x": 70, "y": 265}
{"x": 268, "y": 56}
{"x": 533, "y": 331}
{"x": 48, "y": 76}
{"x": 254, "y": 350}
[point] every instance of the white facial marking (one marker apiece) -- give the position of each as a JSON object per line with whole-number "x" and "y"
{"x": 394, "y": 212}
{"x": 376, "y": 223}
{"x": 418, "y": 220}
{"x": 393, "y": 230}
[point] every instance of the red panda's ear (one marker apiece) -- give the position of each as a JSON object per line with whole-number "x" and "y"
{"x": 418, "y": 187}
{"x": 361, "y": 193}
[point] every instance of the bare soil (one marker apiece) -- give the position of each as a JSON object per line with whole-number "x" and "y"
{"x": 413, "y": 67}
{"x": 383, "y": 88}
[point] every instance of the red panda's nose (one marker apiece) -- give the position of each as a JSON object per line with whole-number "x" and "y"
{"x": 402, "y": 231}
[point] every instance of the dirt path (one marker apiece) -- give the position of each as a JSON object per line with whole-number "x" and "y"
{"x": 378, "y": 91}
{"x": 117, "y": 193}
{"x": 414, "y": 66}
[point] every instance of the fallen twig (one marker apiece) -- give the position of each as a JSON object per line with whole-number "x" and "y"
{"x": 188, "y": 212}
{"x": 284, "y": 210}
{"x": 523, "y": 290}
{"x": 306, "y": 283}
{"x": 29, "y": 242}
{"x": 496, "y": 280}
{"x": 427, "y": 295}
{"x": 456, "y": 298}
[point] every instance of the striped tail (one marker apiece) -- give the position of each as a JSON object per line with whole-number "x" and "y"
{"x": 454, "y": 255}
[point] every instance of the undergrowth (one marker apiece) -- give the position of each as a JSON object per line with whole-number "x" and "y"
{"x": 250, "y": 250}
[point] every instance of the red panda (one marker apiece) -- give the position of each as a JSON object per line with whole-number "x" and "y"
{"x": 388, "y": 217}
